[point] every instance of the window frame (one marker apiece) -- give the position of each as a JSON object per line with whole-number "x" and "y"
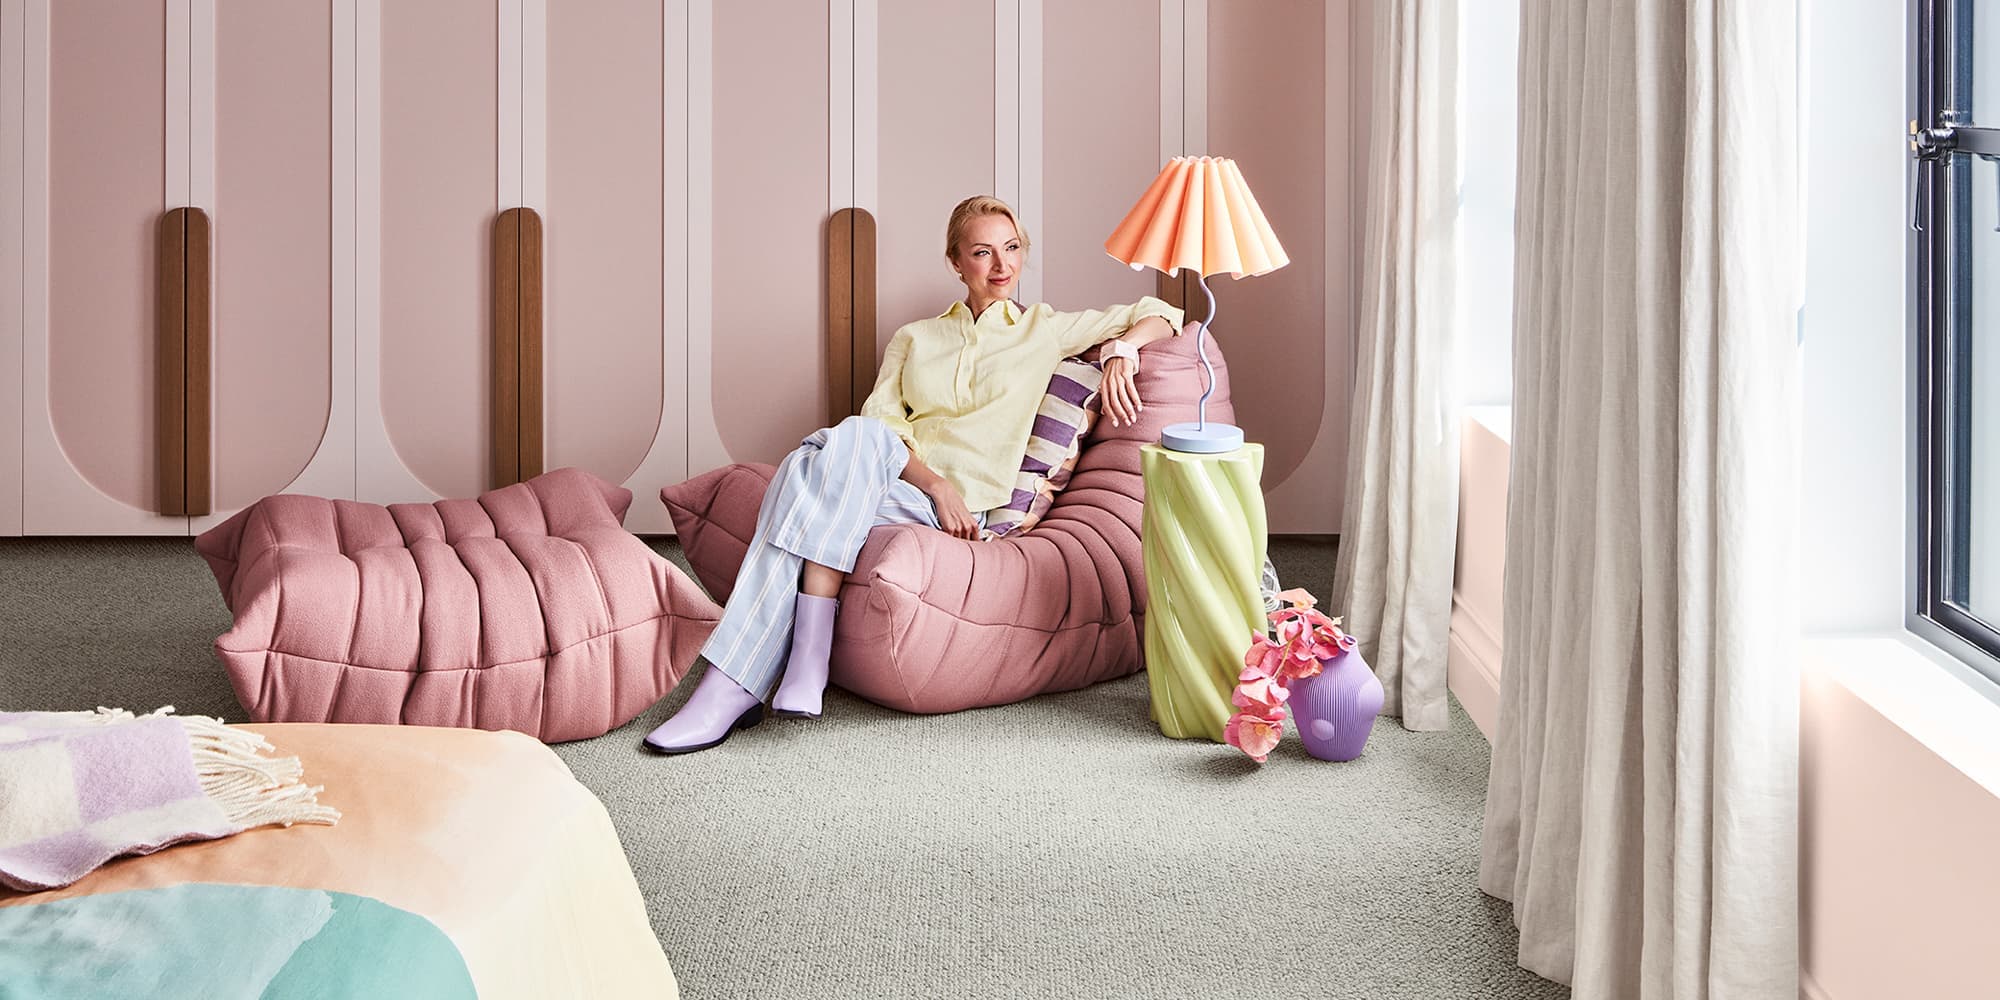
{"x": 1940, "y": 302}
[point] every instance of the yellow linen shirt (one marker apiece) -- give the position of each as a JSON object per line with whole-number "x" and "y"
{"x": 963, "y": 391}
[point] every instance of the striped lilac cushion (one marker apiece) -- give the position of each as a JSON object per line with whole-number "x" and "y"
{"x": 1054, "y": 442}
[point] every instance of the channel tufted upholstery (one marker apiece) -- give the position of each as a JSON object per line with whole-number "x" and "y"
{"x": 931, "y": 623}
{"x": 530, "y": 608}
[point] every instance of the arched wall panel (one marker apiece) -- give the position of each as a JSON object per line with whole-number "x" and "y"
{"x": 1267, "y": 92}
{"x": 438, "y": 199}
{"x": 1100, "y": 142}
{"x": 935, "y": 147}
{"x": 107, "y": 92}
{"x": 273, "y": 247}
{"x": 604, "y": 227}
{"x": 769, "y": 215}
{"x": 13, "y": 261}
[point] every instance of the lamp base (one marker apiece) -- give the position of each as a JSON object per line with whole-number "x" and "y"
{"x": 1206, "y": 439}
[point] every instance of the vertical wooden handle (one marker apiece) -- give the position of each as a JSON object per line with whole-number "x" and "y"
{"x": 200, "y": 317}
{"x": 530, "y": 311}
{"x": 839, "y": 316}
{"x": 864, "y": 362}
{"x": 170, "y": 362}
{"x": 182, "y": 362}
{"x": 517, "y": 346}
{"x": 850, "y": 313}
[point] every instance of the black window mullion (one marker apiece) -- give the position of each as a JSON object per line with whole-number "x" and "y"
{"x": 1954, "y": 383}
{"x": 1941, "y": 249}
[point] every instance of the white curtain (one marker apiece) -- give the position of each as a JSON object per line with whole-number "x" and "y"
{"x": 1398, "y": 534}
{"x": 1642, "y": 809}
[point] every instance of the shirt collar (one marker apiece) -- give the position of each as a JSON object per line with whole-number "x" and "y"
{"x": 1009, "y": 310}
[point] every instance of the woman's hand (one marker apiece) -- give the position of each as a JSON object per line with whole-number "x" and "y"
{"x": 1120, "y": 393}
{"x": 952, "y": 515}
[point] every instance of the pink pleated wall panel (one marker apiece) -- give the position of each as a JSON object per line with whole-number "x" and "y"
{"x": 1267, "y": 110}
{"x": 603, "y": 235}
{"x": 273, "y": 245}
{"x": 770, "y": 180}
{"x": 1100, "y": 144}
{"x": 935, "y": 148}
{"x": 439, "y": 180}
{"x": 107, "y": 182}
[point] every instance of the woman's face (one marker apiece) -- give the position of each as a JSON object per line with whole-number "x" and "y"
{"x": 989, "y": 258}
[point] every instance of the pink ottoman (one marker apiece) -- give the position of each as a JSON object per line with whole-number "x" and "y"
{"x": 530, "y": 608}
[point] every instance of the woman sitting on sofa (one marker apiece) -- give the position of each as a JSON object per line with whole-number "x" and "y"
{"x": 939, "y": 438}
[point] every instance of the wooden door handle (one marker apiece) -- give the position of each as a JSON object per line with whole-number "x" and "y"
{"x": 517, "y": 346}
{"x": 850, "y": 312}
{"x": 183, "y": 321}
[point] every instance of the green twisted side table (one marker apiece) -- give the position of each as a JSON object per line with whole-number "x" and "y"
{"x": 1203, "y": 538}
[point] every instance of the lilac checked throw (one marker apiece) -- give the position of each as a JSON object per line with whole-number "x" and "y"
{"x": 80, "y": 788}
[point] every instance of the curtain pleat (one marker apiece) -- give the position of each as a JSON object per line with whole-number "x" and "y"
{"x": 1398, "y": 533}
{"x": 1642, "y": 808}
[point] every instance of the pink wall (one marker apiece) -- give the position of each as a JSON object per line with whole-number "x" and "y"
{"x": 603, "y": 233}
{"x": 1897, "y": 860}
{"x": 1476, "y": 613}
{"x": 1268, "y": 68}
{"x": 273, "y": 243}
{"x": 936, "y": 139}
{"x": 1276, "y": 85}
{"x": 1097, "y": 154}
{"x": 770, "y": 216}
{"x": 439, "y": 199}
{"x": 107, "y": 163}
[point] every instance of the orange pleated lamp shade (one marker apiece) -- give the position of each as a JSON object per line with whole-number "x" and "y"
{"x": 1198, "y": 215}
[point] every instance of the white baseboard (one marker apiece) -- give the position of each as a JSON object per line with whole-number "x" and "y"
{"x": 1473, "y": 670}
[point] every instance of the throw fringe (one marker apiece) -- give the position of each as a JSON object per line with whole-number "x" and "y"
{"x": 250, "y": 789}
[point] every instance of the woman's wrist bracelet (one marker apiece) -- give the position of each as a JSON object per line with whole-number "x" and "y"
{"x": 1116, "y": 348}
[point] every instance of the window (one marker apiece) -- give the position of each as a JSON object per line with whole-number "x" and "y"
{"x": 1955, "y": 262}
{"x": 1489, "y": 42}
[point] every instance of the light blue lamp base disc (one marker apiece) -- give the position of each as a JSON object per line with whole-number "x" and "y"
{"x": 1206, "y": 439}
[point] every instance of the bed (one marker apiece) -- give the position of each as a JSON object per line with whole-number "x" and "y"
{"x": 466, "y": 863}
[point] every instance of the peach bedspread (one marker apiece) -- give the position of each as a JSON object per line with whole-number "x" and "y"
{"x": 486, "y": 834}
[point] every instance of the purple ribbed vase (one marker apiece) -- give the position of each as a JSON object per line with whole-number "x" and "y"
{"x": 1335, "y": 709}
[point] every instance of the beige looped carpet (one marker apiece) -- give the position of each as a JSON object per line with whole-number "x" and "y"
{"x": 1056, "y": 848}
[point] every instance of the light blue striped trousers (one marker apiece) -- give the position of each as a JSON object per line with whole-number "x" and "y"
{"x": 837, "y": 484}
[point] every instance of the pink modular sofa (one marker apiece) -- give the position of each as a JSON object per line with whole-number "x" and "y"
{"x": 930, "y": 623}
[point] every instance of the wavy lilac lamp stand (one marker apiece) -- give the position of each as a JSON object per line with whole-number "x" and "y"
{"x": 1203, "y": 437}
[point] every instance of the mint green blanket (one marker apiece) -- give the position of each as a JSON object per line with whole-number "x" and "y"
{"x": 225, "y": 941}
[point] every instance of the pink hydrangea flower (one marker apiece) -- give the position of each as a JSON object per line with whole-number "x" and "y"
{"x": 1253, "y": 734}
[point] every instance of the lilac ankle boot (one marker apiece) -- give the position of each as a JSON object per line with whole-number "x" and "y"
{"x": 718, "y": 707}
{"x": 805, "y": 673}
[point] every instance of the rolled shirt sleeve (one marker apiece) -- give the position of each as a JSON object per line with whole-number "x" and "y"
{"x": 962, "y": 390}
{"x": 1079, "y": 331}
{"x": 885, "y": 401}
